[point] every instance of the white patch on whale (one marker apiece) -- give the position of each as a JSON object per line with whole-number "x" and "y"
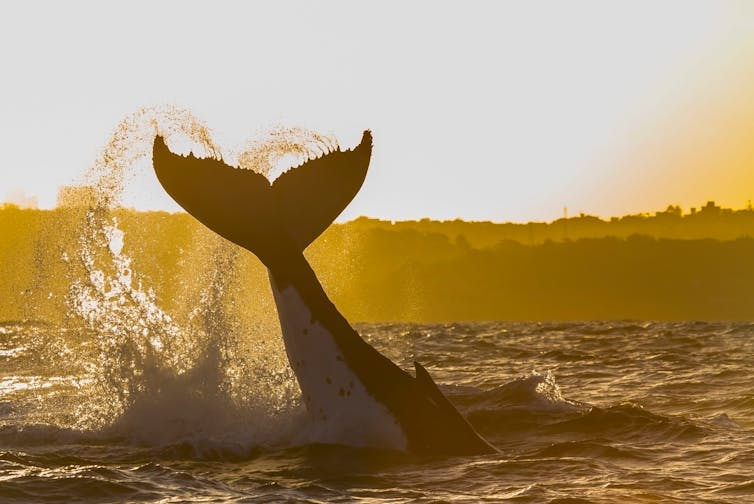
{"x": 342, "y": 410}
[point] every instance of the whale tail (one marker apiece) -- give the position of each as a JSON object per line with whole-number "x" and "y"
{"x": 271, "y": 219}
{"x": 277, "y": 221}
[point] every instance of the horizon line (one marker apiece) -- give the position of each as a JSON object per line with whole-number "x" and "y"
{"x": 671, "y": 210}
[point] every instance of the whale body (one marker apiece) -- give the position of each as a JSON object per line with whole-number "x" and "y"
{"x": 353, "y": 394}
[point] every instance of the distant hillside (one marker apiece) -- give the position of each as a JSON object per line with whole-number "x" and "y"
{"x": 663, "y": 266}
{"x": 709, "y": 221}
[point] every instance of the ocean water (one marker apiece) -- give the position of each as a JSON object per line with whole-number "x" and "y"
{"x": 115, "y": 390}
{"x": 581, "y": 412}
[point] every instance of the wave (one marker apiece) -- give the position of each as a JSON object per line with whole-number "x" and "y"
{"x": 84, "y": 481}
{"x": 599, "y": 448}
{"x": 534, "y": 392}
{"x": 629, "y": 421}
{"x": 41, "y": 434}
{"x": 192, "y": 415}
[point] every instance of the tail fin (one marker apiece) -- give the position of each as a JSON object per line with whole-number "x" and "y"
{"x": 244, "y": 207}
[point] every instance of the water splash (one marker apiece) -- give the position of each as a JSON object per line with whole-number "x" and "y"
{"x": 282, "y": 147}
{"x": 132, "y": 141}
{"x": 213, "y": 367}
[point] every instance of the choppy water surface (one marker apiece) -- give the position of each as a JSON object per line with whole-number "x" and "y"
{"x": 127, "y": 393}
{"x": 581, "y": 412}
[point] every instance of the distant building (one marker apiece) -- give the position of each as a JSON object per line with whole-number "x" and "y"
{"x": 710, "y": 208}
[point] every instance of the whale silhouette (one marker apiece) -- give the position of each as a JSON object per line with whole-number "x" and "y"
{"x": 353, "y": 394}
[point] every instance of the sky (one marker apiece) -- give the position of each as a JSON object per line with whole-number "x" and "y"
{"x": 503, "y": 111}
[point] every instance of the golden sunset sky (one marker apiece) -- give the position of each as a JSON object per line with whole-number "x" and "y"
{"x": 504, "y": 111}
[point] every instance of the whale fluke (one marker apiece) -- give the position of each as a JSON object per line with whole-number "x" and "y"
{"x": 354, "y": 394}
{"x": 265, "y": 218}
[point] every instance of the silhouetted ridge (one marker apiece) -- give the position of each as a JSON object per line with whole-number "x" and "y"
{"x": 416, "y": 271}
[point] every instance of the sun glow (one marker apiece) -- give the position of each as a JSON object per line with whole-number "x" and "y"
{"x": 485, "y": 111}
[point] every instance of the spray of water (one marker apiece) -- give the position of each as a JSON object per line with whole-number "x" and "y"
{"x": 132, "y": 141}
{"x": 211, "y": 370}
{"x": 281, "y": 147}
